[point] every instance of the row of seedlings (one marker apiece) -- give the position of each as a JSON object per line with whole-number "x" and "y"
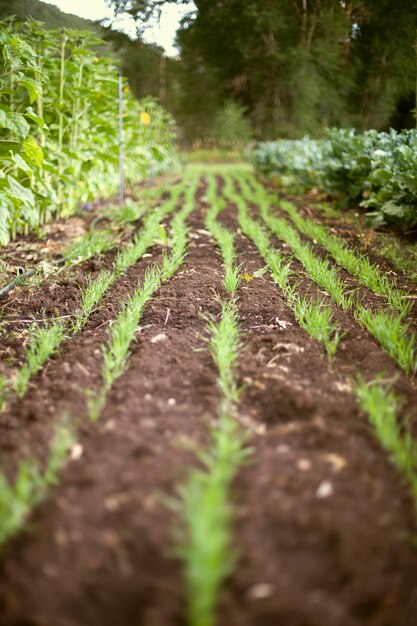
{"x": 18, "y": 498}
{"x": 357, "y": 265}
{"x": 205, "y": 499}
{"x": 314, "y": 315}
{"x": 123, "y": 331}
{"x": 45, "y": 340}
{"x": 382, "y": 406}
{"x": 98, "y": 241}
{"x": 388, "y": 328}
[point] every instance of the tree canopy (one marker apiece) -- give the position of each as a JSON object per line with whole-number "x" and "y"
{"x": 294, "y": 65}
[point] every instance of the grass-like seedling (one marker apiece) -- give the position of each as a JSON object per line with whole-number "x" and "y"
{"x": 104, "y": 239}
{"x": 18, "y": 498}
{"x": 315, "y": 317}
{"x": 31, "y": 483}
{"x": 402, "y": 256}
{"x": 382, "y": 408}
{"x": 392, "y": 335}
{"x": 357, "y": 265}
{"x": 44, "y": 342}
{"x": 224, "y": 238}
{"x": 224, "y": 348}
{"x": 319, "y": 270}
{"x": 91, "y": 296}
{"x": 206, "y": 514}
{"x": 390, "y": 330}
{"x": 148, "y": 235}
{"x": 90, "y": 244}
{"x": 123, "y": 331}
{"x": 124, "y": 328}
{"x": 205, "y": 544}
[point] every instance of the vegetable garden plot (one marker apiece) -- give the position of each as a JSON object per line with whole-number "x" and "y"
{"x": 322, "y": 521}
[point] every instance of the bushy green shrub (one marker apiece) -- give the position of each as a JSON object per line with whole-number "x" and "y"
{"x": 375, "y": 170}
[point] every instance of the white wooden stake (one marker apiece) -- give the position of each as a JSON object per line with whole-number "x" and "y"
{"x": 121, "y": 174}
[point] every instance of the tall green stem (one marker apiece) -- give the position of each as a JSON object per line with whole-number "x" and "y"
{"x": 61, "y": 93}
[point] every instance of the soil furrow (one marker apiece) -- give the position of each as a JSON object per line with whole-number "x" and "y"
{"x": 365, "y": 296}
{"x": 26, "y": 424}
{"x": 355, "y": 235}
{"x": 324, "y": 522}
{"x": 99, "y": 551}
{"x": 311, "y": 551}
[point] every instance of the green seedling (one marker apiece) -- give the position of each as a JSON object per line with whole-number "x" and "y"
{"x": 91, "y": 297}
{"x": 206, "y": 537}
{"x": 357, "y": 265}
{"x": 45, "y": 341}
{"x": 205, "y": 541}
{"x": 224, "y": 347}
{"x": 390, "y": 330}
{"x": 90, "y": 244}
{"x": 382, "y": 408}
{"x": 123, "y": 331}
{"x": 315, "y": 317}
{"x": 395, "y": 338}
{"x": 31, "y": 484}
{"x": 223, "y": 237}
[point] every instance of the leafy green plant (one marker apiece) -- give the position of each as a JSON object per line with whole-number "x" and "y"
{"x": 18, "y": 498}
{"x": 375, "y": 170}
{"x": 395, "y": 337}
{"x": 382, "y": 408}
{"x": 55, "y": 89}
{"x": 123, "y": 331}
{"x": 44, "y": 342}
{"x": 390, "y": 330}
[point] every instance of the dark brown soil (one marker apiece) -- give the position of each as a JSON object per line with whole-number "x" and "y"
{"x": 324, "y": 523}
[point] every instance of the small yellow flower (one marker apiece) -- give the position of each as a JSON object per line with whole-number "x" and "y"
{"x": 145, "y": 118}
{"x": 126, "y": 90}
{"x": 247, "y": 277}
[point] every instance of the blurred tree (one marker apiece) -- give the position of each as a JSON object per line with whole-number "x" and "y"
{"x": 295, "y": 65}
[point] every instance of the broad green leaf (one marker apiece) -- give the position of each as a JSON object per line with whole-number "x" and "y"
{"x": 23, "y": 194}
{"x": 33, "y": 151}
{"x": 17, "y": 124}
{"x": 21, "y": 163}
{"x": 33, "y": 88}
{"x": 30, "y": 113}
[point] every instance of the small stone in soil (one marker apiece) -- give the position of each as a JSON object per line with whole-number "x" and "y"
{"x": 261, "y": 591}
{"x": 304, "y": 465}
{"x": 325, "y": 490}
